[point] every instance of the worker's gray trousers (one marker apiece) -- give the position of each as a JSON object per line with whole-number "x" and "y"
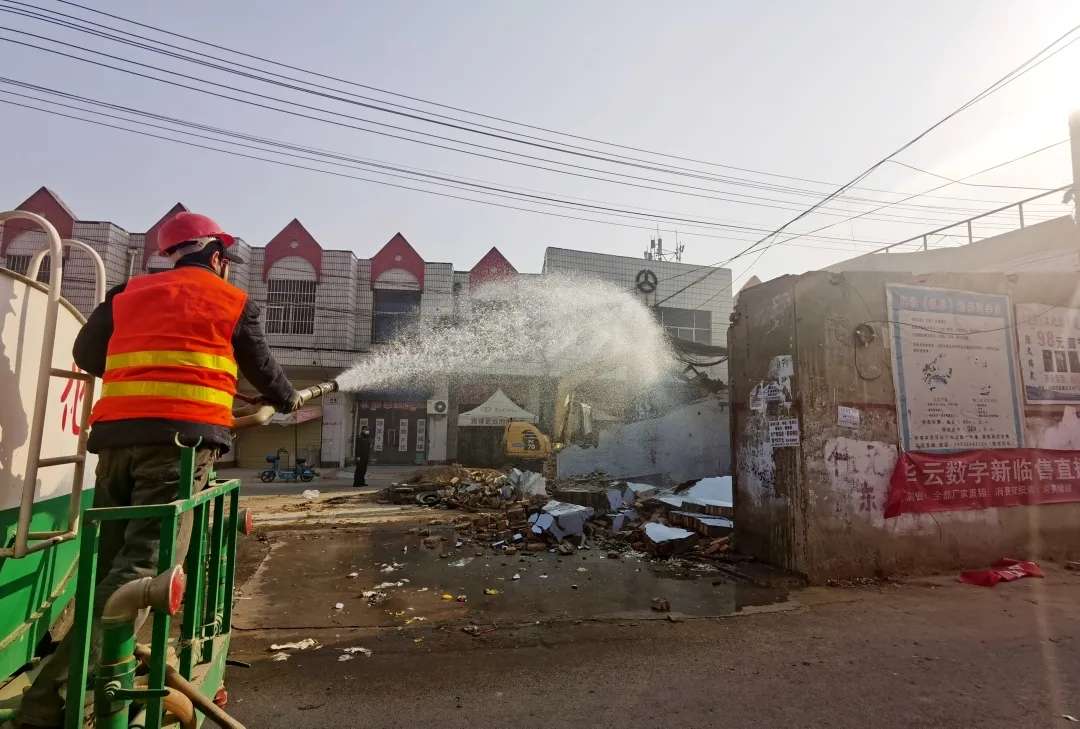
{"x": 127, "y": 550}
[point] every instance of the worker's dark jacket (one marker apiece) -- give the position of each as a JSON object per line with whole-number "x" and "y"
{"x": 253, "y": 357}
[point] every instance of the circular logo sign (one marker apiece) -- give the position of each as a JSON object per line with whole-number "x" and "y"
{"x": 645, "y": 281}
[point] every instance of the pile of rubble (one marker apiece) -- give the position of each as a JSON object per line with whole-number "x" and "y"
{"x": 468, "y": 489}
{"x": 520, "y": 510}
{"x": 690, "y": 519}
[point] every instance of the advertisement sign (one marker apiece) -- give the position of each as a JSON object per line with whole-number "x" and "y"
{"x": 983, "y": 479}
{"x": 954, "y": 369}
{"x": 1048, "y": 338}
{"x": 784, "y": 432}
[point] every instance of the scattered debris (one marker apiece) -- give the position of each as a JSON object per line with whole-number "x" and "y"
{"x": 447, "y": 596}
{"x": 279, "y": 657}
{"x": 367, "y": 652}
{"x": 490, "y": 591}
{"x": 353, "y": 575}
{"x": 345, "y": 657}
{"x": 516, "y": 576}
{"x": 339, "y": 606}
{"x": 462, "y": 562}
{"x": 300, "y": 645}
{"x": 1069, "y": 717}
{"x": 475, "y": 630}
{"x": 1004, "y": 570}
{"x": 1072, "y": 565}
{"x": 375, "y": 597}
{"x": 310, "y": 494}
{"x": 661, "y": 605}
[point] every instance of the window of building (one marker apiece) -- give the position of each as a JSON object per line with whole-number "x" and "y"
{"x": 394, "y": 312}
{"x": 290, "y": 306}
{"x": 21, "y": 264}
{"x": 693, "y": 325}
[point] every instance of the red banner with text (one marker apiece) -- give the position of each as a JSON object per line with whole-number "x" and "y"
{"x": 983, "y": 479}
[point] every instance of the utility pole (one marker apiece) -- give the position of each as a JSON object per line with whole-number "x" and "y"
{"x": 1074, "y": 134}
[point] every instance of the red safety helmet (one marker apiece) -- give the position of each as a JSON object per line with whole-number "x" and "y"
{"x": 185, "y": 226}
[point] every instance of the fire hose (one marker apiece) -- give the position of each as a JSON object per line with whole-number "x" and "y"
{"x": 256, "y": 412}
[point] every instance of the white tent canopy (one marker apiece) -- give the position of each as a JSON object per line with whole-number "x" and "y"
{"x": 496, "y": 411}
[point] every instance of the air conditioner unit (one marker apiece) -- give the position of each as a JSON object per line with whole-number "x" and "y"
{"x": 437, "y": 407}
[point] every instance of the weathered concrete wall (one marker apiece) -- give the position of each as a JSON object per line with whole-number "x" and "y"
{"x": 692, "y": 441}
{"x": 767, "y": 482}
{"x": 822, "y": 512}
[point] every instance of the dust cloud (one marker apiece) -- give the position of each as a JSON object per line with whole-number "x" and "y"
{"x": 555, "y": 326}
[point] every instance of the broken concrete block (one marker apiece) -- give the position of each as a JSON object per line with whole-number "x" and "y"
{"x": 640, "y": 492}
{"x": 663, "y": 540}
{"x": 561, "y": 520}
{"x": 703, "y": 524}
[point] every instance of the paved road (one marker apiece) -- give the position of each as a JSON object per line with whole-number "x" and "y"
{"x": 330, "y": 480}
{"x": 928, "y": 653}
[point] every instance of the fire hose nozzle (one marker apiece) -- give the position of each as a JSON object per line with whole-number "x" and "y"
{"x": 260, "y": 414}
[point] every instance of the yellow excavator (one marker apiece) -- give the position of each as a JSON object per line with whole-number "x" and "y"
{"x": 526, "y": 445}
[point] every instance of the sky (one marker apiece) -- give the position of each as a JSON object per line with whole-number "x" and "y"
{"x": 815, "y": 90}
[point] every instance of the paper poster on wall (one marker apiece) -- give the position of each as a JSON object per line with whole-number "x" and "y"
{"x": 1048, "y": 338}
{"x": 848, "y": 417}
{"x": 954, "y": 369}
{"x": 757, "y": 398}
{"x": 380, "y": 424}
{"x": 403, "y": 435}
{"x": 421, "y": 435}
{"x": 784, "y": 432}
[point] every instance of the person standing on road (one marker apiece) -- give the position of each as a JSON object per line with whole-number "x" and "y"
{"x": 363, "y": 452}
{"x": 168, "y": 347}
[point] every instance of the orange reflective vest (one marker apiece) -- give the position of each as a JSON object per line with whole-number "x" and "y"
{"x": 170, "y": 354}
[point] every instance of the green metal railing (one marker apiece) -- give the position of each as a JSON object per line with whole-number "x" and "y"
{"x": 207, "y": 613}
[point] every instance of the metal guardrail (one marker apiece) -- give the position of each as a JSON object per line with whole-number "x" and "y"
{"x": 207, "y": 613}
{"x": 1019, "y": 205}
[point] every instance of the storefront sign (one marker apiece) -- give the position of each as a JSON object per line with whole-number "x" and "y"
{"x": 954, "y": 369}
{"x": 784, "y": 432}
{"x": 1049, "y": 342}
{"x": 983, "y": 479}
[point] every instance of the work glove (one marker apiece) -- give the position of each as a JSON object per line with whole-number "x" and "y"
{"x": 292, "y": 404}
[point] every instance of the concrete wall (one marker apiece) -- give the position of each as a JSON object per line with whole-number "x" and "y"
{"x": 817, "y": 508}
{"x": 692, "y": 441}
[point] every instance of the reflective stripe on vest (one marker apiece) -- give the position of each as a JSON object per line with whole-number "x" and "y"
{"x": 170, "y": 355}
{"x": 171, "y": 358}
{"x": 167, "y": 389}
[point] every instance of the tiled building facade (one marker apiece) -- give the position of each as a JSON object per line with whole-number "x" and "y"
{"x": 325, "y": 309}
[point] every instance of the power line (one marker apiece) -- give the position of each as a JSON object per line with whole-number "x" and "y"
{"x": 333, "y": 156}
{"x": 202, "y": 61}
{"x": 1008, "y": 78}
{"x": 339, "y": 174}
{"x": 781, "y": 204}
{"x": 262, "y": 59}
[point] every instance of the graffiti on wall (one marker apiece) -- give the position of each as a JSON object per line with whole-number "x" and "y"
{"x": 859, "y": 472}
